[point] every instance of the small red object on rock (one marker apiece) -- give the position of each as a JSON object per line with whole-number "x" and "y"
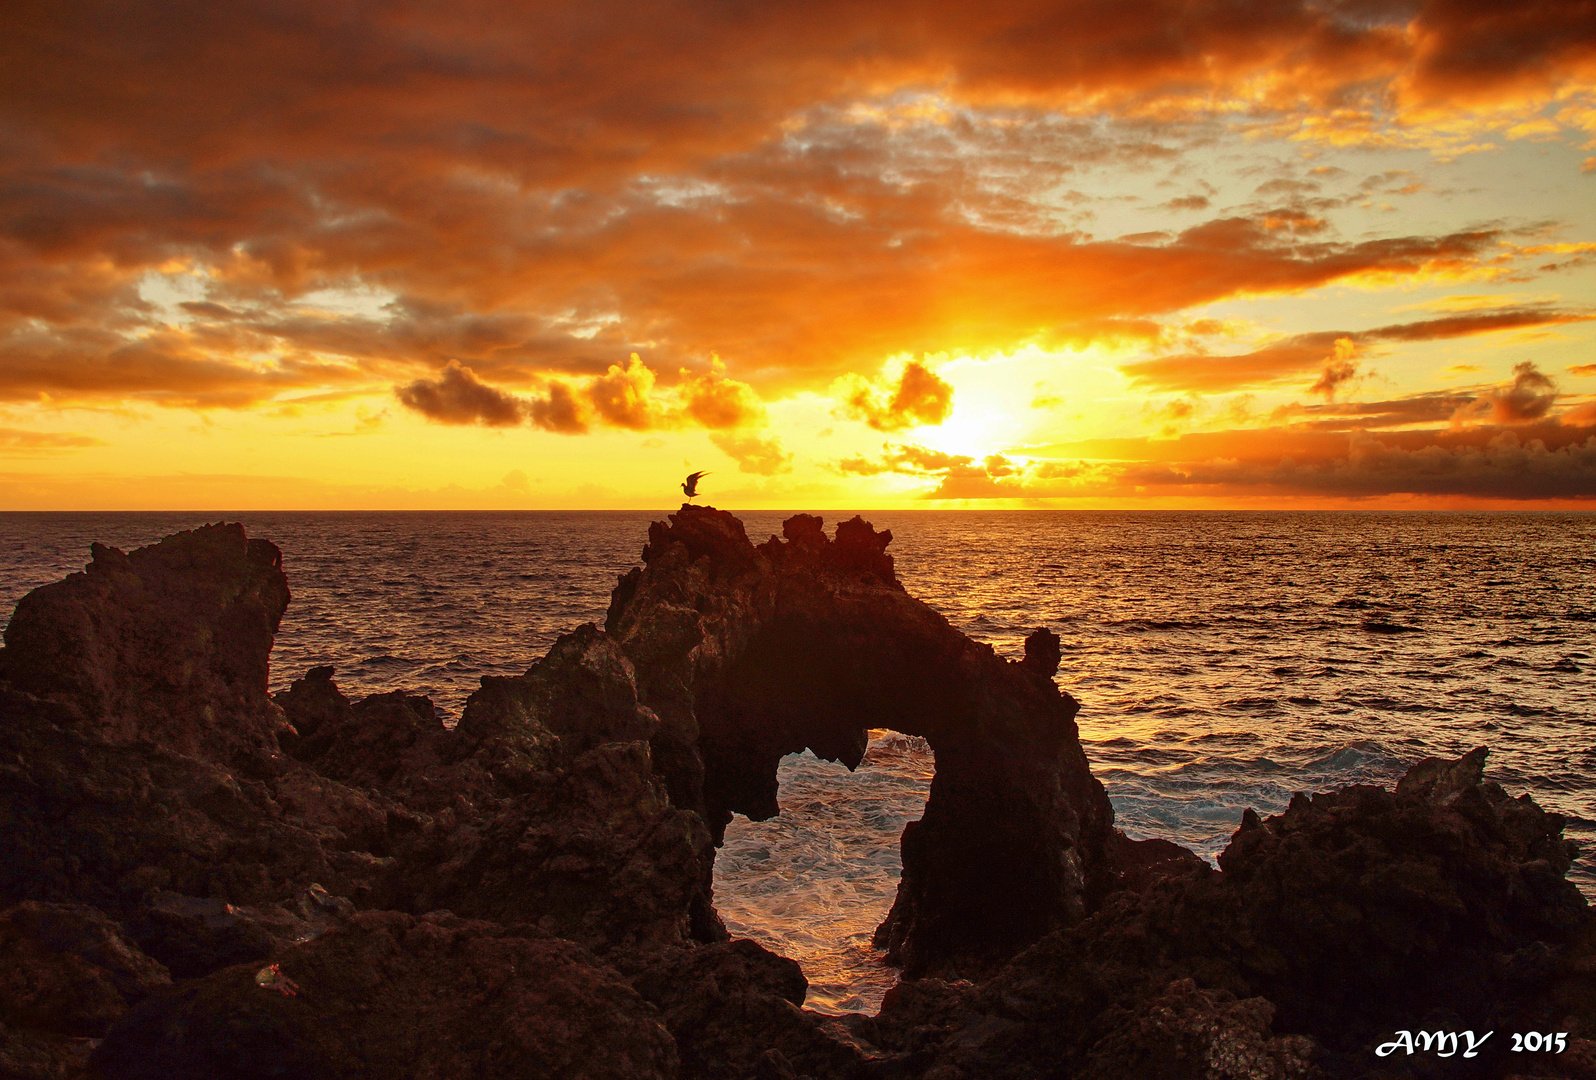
{"x": 270, "y": 978}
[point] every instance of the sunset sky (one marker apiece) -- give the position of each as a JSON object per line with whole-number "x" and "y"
{"x": 840, "y": 254}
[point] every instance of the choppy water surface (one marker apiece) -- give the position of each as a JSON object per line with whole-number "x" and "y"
{"x": 1222, "y": 661}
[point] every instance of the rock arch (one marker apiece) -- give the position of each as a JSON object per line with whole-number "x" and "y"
{"x": 750, "y": 653}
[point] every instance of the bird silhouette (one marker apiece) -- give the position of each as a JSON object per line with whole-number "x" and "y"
{"x": 690, "y": 485}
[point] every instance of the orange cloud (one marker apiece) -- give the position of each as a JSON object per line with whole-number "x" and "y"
{"x": 920, "y": 397}
{"x": 714, "y": 401}
{"x": 625, "y": 396}
{"x": 908, "y": 458}
{"x": 558, "y": 410}
{"x": 18, "y": 441}
{"x": 753, "y": 454}
{"x": 1340, "y": 369}
{"x": 537, "y": 189}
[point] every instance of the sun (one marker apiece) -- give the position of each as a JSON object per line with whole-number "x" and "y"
{"x": 1015, "y": 399}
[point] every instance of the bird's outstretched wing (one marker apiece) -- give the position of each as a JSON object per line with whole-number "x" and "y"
{"x": 691, "y": 484}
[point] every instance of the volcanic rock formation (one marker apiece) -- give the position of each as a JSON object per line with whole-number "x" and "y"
{"x": 747, "y": 654}
{"x": 1350, "y": 916}
{"x": 198, "y": 880}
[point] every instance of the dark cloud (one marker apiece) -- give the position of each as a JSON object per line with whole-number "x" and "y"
{"x": 1545, "y": 459}
{"x": 167, "y": 367}
{"x": 802, "y": 266}
{"x": 1473, "y": 50}
{"x": 1300, "y": 442}
{"x": 1333, "y": 352}
{"x": 1429, "y": 408}
{"x": 1206, "y": 373}
{"x": 1541, "y": 460}
{"x": 921, "y": 397}
{"x": 625, "y": 396}
{"x": 1530, "y": 396}
{"x": 458, "y": 397}
{"x": 1340, "y": 370}
{"x": 1285, "y": 187}
{"x": 1388, "y": 182}
{"x": 1505, "y": 467}
{"x": 505, "y": 83}
{"x": 1497, "y": 465}
{"x": 557, "y": 409}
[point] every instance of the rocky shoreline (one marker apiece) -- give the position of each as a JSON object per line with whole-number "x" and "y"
{"x": 199, "y": 879}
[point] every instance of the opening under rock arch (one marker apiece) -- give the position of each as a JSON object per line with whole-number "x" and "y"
{"x": 814, "y": 882}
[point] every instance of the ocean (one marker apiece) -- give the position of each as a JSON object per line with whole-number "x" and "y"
{"x": 1223, "y": 660}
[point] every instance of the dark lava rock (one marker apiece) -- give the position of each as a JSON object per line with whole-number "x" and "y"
{"x": 1189, "y": 1034}
{"x": 156, "y": 808}
{"x": 309, "y": 704}
{"x": 1042, "y": 651}
{"x": 196, "y": 934}
{"x": 66, "y": 973}
{"x": 1350, "y": 916}
{"x": 1365, "y": 904}
{"x": 1137, "y": 865}
{"x": 371, "y": 742}
{"x": 749, "y": 654}
{"x": 66, "y": 967}
{"x": 544, "y": 805}
{"x": 167, "y": 644}
{"x": 83, "y": 820}
{"x": 139, "y": 767}
{"x": 729, "y": 1005}
{"x": 392, "y": 995}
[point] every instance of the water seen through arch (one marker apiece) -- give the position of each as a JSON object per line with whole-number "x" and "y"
{"x": 1223, "y": 660}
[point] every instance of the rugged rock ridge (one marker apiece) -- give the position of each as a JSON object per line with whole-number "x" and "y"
{"x": 747, "y": 654}
{"x": 167, "y": 645}
{"x": 147, "y": 780}
{"x": 1351, "y": 915}
{"x": 528, "y": 894}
